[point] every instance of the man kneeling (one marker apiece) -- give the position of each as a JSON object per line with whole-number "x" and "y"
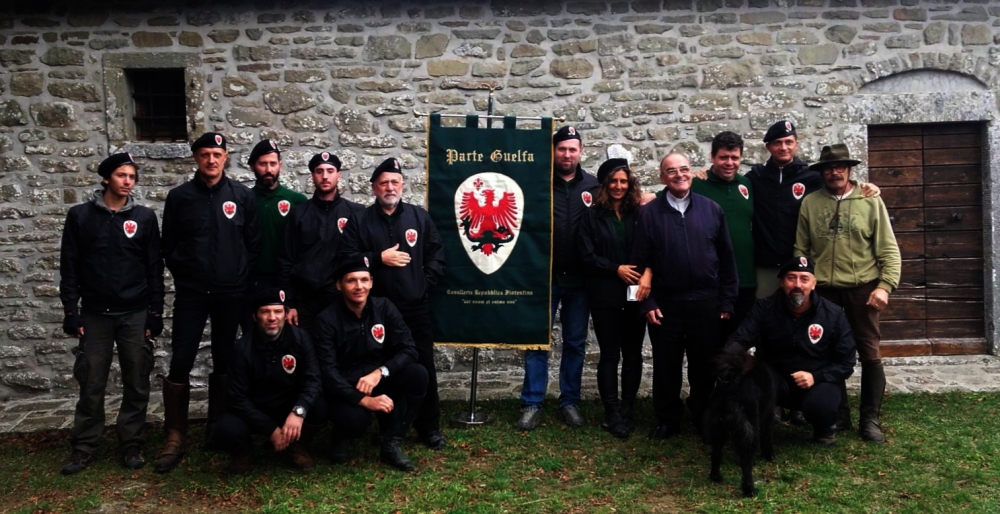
{"x": 369, "y": 364}
{"x": 808, "y": 342}
{"x": 274, "y": 386}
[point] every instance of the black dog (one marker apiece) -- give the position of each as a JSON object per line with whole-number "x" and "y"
{"x": 741, "y": 407}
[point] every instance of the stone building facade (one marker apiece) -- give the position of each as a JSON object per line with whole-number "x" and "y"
{"x": 653, "y": 75}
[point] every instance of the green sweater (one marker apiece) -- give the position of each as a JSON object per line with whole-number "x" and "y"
{"x": 738, "y": 208}
{"x": 272, "y": 224}
{"x": 851, "y": 243}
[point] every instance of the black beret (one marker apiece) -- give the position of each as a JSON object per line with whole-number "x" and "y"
{"x": 390, "y": 165}
{"x": 565, "y": 133}
{"x": 113, "y": 162}
{"x": 796, "y": 264}
{"x": 783, "y": 128}
{"x": 324, "y": 158}
{"x": 209, "y": 140}
{"x": 610, "y": 166}
{"x": 263, "y": 148}
{"x": 269, "y": 296}
{"x": 350, "y": 265}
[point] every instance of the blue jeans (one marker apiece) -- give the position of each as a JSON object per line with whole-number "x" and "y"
{"x": 574, "y": 316}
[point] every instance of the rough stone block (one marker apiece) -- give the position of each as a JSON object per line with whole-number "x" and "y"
{"x": 727, "y": 75}
{"x": 305, "y": 123}
{"x": 617, "y": 45}
{"x": 53, "y": 114}
{"x": 386, "y": 48}
{"x": 62, "y": 56}
{"x": 431, "y": 45}
{"x": 447, "y": 68}
{"x": 26, "y": 84}
{"x": 571, "y": 68}
{"x": 10, "y": 57}
{"x": 287, "y": 99}
{"x": 796, "y": 37}
{"x": 755, "y": 39}
{"x": 819, "y": 54}
{"x": 77, "y": 91}
{"x": 241, "y": 117}
{"x": 766, "y": 17}
{"x": 842, "y": 34}
{"x": 976, "y": 35}
{"x": 905, "y": 41}
{"x": 144, "y": 39}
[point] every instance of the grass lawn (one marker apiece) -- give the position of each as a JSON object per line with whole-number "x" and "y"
{"x": 943, "y": 455}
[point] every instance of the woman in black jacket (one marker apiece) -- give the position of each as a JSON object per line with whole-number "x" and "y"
{"x": 605, "y": 243}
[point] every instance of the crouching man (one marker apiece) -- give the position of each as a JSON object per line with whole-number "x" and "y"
{"x": 369, "y": 365}
{"x": 807, "y": 341}
{"x": 274, "y": 388}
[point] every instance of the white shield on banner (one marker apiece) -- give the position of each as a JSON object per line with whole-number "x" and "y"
{"x": 489, "y": 208}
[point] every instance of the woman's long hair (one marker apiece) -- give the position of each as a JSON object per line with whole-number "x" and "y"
{"x": 631, "y": 201}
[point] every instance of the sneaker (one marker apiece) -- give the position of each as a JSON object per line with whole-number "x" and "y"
{"x": 77, "y": 462}
{"x": 531, "y": 417}
{"x": 133, "y": 459}
{"x": 571, "y": 416}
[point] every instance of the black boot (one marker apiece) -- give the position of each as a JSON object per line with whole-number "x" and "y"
{"x": 627, "y": 411}
{"x": 872, "y": 391}
{"x": 175, "y": 421}
{"x": 239, "y": 460}
{"x": 299, "y": 450}
{"x": 843, "y": 410}
{"x": 217, "y": 385}
{"x": 340, "y": 450}
{"x": 391, "y": 439}
{"x": 613, "y": 421}
{"x": 391, "y": 453}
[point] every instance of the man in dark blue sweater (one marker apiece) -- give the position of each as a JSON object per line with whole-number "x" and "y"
{"x": 682, "y": 237}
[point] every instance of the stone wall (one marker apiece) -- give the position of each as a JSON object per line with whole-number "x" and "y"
{"x": 655, "y": 76}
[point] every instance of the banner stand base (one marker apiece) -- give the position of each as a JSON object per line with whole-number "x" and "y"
{"x": 471, "y": 417}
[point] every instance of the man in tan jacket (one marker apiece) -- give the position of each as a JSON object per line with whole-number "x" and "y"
{"x": 857, "y": 265}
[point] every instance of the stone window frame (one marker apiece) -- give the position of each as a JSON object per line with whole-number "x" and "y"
{"x": 118, "y": 98}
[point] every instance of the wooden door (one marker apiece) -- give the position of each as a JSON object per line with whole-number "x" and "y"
{"x": 931, "y": 180}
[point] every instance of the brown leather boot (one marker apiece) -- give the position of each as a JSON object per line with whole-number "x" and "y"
{"x": 299, "y": 450}
{"x": 175, "y": 404}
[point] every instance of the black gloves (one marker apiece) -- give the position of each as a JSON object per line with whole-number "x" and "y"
{"x": 154, "y": 323}
{"x": 72, "y": 323}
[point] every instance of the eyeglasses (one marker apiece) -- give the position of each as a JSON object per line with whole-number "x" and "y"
{"x": 670, "y": 172}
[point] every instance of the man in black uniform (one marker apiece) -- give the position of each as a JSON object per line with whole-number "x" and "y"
{"x": 808, "y": 342}
{"x": 210, "y": 242}
{"x": 274, "y": 203}
{"x": 111, "y": 258}
{"x": 407, "y": 258}
{"x": 369, "y": 364}
{"x": 573, "y": 192}
{"x": 274, "y": 388}
{"x": 307, "y": 257}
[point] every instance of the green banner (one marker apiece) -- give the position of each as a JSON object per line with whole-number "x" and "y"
{"x": 489, "y": 192}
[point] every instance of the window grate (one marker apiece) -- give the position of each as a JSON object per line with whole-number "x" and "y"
{"x": 159, "y": 103}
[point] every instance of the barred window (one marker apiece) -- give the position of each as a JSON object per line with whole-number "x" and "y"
{"x": 158, "y": 97}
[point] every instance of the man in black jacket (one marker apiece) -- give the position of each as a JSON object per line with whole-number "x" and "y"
{"x": 407, "y": 259}
{"x": 573, "y": 191}
{"x": 312, "y": 235}
{"x": 111, "y": 259}
{"x": 683, "y": 237}
{"x": 274, "y": 388}
{"x": 808, "y": 342}
{"x": 210, "y": 242}
{"x": 369, "y": 364}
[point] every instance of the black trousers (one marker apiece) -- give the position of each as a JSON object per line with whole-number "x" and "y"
{"x": 689, "y": 327}
{"x": 418, "y": 319}
{"x": 620, "y": 333}
{"x": 818, "y": 403}
{"x": 232, "y": 432}
{"x": 255, "y": 284}
{"x": 191, "y": 311}
{"x": 745, "y": 299}
{"x": 310, "y": 304}
{"x": 406, "y": 388}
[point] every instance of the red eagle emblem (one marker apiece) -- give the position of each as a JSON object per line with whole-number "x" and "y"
{"x": 378, "y": 332}
{"x": 744, "y": 191}
{"x": 411, "y": 237}
{"x": 288, "y": 364}
{"x": 798, "y": 190}
{"x": 815, "y": 333}
{"x": 274, "y": 146}
{"x": 788, "y": 126}
{"x": 284, "y": 206}
{"x": 325, "y": 156}
{"x": 341, "y": 223}
{"x": 281, "y": 295}
{"x": 229, "y": 209}
{"x": 587, "y": 198}
{"x": 488, "y": 221}
{"x": 218, "y": 140}
{"x": 803, "y": 262}
{"x": 130, "y": 228}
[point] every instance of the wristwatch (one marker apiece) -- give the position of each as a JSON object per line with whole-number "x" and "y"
{"x": 385, "y": 371}
{"x": 299, "y": 411}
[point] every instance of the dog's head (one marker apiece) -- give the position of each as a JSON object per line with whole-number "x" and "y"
{"x": 731, "y": 364}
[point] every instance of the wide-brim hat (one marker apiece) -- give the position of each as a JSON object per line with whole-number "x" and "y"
{"x": 834, "y": 154}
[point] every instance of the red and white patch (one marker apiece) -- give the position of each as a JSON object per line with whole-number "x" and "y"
{"x": 366, "y": 263}
{"x": 273, "y": 146}
{"x": 341, "y": 223}
{"x": 798, "y": 190}
{"x": 378, "y": 332}
{"x": 803, "y": 262}
{"x": 815, "y": 333}
{"x": 395, "y": 164}
{"x": 283, "y": 207}
{"x": 587, "y": 198}
{"x": 411, "y": 237}
{"x": 288, "y": 364}
{"x": 281, "y": 296}
{"x": 571, "y": 131}
{"x": 325, "y": 156}
{"x": 229, "y": 209}
{"x": 218, "y": 140}
{"x": 744, "y": 191}
{"x": 130, "y": 228}
{"x": 788, "y": 126}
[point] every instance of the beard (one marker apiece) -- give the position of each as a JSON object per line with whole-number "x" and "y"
{"x": 267, "y": 180}
{"x": 796, "y": 297}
